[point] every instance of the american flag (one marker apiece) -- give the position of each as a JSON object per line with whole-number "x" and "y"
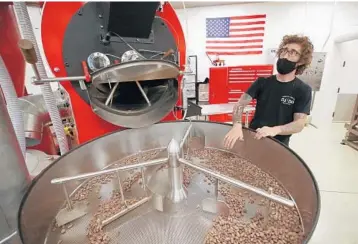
{"x": 239, "y": 35}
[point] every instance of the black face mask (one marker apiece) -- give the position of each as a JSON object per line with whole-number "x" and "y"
{"x": 285, "y": 66}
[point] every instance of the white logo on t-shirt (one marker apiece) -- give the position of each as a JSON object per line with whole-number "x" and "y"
{"x": 287, "y": 100}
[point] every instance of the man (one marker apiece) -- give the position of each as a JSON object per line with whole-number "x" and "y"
{"x": 283, "y": 100}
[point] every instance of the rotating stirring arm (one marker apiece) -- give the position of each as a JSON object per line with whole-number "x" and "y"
{"x": 240, "y": 184}
{"x": 109, "y": 171}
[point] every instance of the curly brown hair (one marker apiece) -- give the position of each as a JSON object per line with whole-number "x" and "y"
{"x": 306, "y": 53}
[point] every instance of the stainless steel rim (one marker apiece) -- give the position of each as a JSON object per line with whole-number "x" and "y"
{"x": 303, "y": 163}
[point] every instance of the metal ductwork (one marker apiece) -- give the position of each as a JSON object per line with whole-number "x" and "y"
{"x": 12, "y": 103}
{"x": 14, "y": 177}
{"x": 36, "y": 116}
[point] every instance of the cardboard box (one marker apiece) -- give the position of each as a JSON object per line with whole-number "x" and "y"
{"x": 203, "y": 87}
{"x": 203, "y": 96}
{"x": 190, "y": 94}
{"x": 190, "y": 86}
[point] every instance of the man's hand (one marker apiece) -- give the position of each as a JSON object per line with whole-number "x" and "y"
{"x": 267, "y": 131}
{"x": 233, "y": 135}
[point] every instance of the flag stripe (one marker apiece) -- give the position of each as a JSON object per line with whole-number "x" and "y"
{"x": 247, "y": 35}
{"x": 248, "y": 23}
{"x": 258, "y": 16}
{"x": 235, "y": 53}
{"x": 234, "y": 41}
{"x": 232, "y": 38}
{"x": 235, "y": 47}
{"x": 248, "y": 29}
{"x": 258, "y": 22}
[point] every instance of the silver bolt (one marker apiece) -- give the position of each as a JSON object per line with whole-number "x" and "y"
{"x": 100, "y": 16}
{"x": 101, "y": 26}
{"x": 56, "y": 69}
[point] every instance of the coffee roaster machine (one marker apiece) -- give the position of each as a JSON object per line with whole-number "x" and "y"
{"x": 122, "y": 65}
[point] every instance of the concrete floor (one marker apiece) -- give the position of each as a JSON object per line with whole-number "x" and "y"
{"x": 335, "y": 167}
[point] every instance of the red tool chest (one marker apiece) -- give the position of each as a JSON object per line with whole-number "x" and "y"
{"x": 227, "y": 84}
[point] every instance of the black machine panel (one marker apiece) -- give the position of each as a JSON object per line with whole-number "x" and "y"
{"x": 87, "y": 29}
{"x": 132, "y": 19}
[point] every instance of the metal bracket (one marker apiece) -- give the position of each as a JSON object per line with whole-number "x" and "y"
{"x": 148, "y": 40}
{"x": 6, "y": 239}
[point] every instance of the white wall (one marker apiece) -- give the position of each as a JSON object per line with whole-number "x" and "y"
{"x": 348, "y": 78}
{"x": 312, "y": 19}
{"x": 336, "y": 76}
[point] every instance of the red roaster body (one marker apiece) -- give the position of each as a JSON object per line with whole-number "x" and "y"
{"x": 55, "y": 18}
{"x": 9, "y": 49}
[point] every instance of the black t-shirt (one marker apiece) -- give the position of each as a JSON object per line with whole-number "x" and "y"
{"x": 277, "y": 102}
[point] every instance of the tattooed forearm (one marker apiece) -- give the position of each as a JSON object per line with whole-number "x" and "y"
{"x": 239, "y": 108}
{"x": 295, "y": 126}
